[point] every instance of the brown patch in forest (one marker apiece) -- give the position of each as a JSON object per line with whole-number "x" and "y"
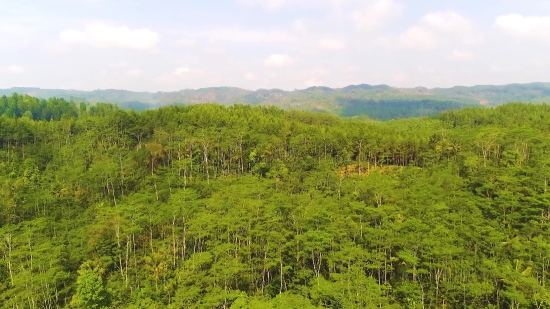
{"x": 365, "y": 169}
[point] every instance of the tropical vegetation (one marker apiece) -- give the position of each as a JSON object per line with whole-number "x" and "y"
{"x": 208, "y": 206}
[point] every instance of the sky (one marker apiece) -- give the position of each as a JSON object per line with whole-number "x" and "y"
{"x": 288, "y": 44}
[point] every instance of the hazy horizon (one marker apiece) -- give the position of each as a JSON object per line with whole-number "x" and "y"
{"x": 257, "y": 89}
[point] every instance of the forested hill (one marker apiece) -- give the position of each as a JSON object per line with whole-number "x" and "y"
{"x": 207, "y": 206}
{"x": 380, "y": 101}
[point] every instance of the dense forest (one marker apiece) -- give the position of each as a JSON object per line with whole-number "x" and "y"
{"x": 207, "y": 206}
{"x": 394, "y": 109}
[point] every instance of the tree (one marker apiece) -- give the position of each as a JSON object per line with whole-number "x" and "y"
{"x": 90, "y": 290}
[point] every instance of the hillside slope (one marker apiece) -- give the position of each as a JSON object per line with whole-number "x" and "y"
{"x": 376, "y": 101}
{"x": 207, "y": 206}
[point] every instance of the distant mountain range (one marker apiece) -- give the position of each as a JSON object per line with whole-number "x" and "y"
{"x": 375, "y": 101}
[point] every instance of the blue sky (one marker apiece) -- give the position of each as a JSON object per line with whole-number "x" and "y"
{"x": 287, "y": 44}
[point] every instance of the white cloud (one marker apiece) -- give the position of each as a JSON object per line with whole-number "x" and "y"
{"x": 275, "y": 5}
{"x": 250, "y": 76}
{"x": 278, "y": 60}
{"x": 214, "y": 50}
{"x": 12, "y": 69}
{"x": 532, "y": 27}
{"x": 8, "y": 29}
{"x": 182, "y": 74}
{"x": 184, "y": 43}
{"x": 267, "y": 4}
{"x": 313, "y": 82}
{"x": 540, "y": 63}
{"x": 134, "y": 72}
{"x": 375, "y": 13}
{"x": 56, "y": 48}
{"x": 400, "y": 40}
{"x": 506, "y": 68}
{"x": 419, "y": 38}
{"x": 119, "y": 64}
{"x": 461, "y": 55}
{"x": 242, "y": 36}
{"x": 441, "y": 28}
{"x": 309, "y": 78}
{"x": 300, "y": 26}
{"x": 425, "y": 70}
{"x": 453, "y": 24}
{"x": 400, "y": 77}
{"x": 331, "y": 44}
{"x": 182, "y": 70}
{"x": 105, "y": 36}
{"x": 18, "y": 26}
{"x": 447, "y": 21}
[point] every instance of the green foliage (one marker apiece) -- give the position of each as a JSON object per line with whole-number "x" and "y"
{"x": 90, "y": 291}
{"x": 398, "y": 108}
{"x": 17, "y": 106}
{"x": 208, "y": 206}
